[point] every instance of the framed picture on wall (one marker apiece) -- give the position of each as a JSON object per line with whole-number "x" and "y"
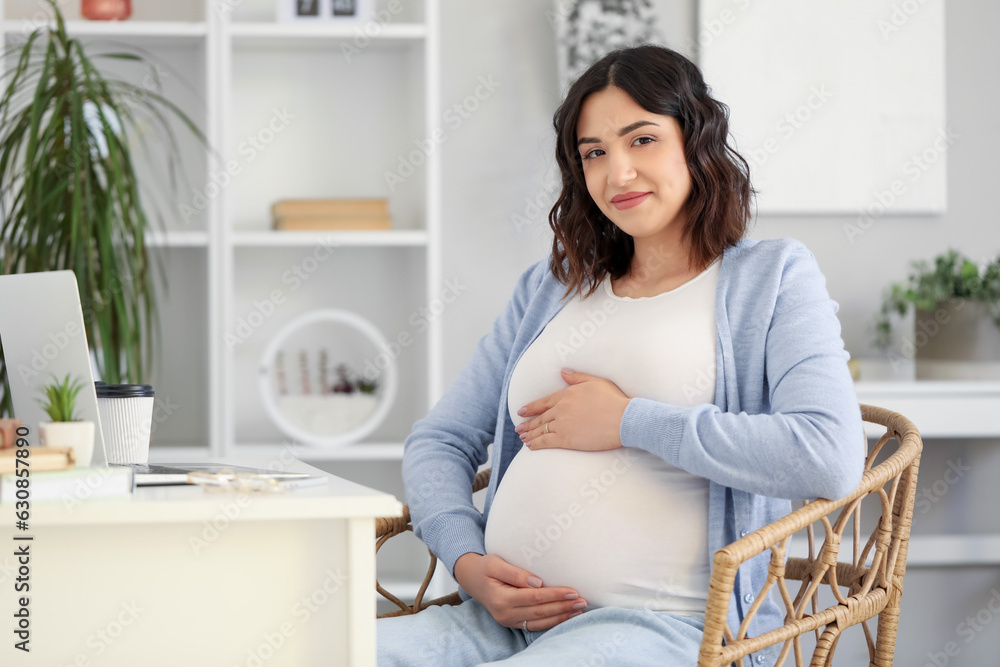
{"x": 302, "y": 10}
{"x": 839, "y": 107}
{"x": 326, "y": 10}
{"x": 351, "y": 10}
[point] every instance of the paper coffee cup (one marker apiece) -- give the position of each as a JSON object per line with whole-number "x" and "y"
{"x": 126, "y": 412}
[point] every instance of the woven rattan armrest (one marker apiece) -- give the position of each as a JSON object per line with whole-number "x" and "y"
{"x": 386, "y": 528}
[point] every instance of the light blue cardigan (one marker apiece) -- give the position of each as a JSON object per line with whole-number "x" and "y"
{"x": 785, "y": 423}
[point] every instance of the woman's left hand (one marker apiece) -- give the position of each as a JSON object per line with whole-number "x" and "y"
{"x": 585, "y": 416}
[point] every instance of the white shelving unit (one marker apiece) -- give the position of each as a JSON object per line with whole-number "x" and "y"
{"x": 334, "y": 106}
{"x": 368, "y": 91}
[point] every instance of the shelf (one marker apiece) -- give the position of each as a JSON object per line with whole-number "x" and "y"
{"x": 394, "y": 237}
{"x": 924, "y": 550}
{"x": 177, "y": 239}
{"x": 176, "y": 32}
{"x": 365, "y": 451}
{"x": 946, "y": 550}
{"x": 312, "y": 35}
{"x": 939, "y": 409}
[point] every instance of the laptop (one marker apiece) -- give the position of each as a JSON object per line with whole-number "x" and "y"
{"x": 165, "y": 474}
{"x": 42, "y": 334}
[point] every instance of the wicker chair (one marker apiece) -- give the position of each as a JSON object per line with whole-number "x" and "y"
{"x": 872, "y": 577}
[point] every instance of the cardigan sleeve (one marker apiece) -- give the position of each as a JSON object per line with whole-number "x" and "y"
{"x": 445, "y": 448}
{"x": 809, "y": 442}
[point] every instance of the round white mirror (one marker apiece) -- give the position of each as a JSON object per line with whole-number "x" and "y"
{"x": 319, "y": 379}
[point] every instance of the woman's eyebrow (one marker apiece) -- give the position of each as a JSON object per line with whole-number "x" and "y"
{"x": 621, "y": 133}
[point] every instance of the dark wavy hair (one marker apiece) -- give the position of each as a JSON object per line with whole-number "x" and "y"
{"x": 665, "y": 83}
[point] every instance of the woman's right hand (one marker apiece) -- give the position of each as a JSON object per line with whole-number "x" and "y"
{"x": 513, "y": 595}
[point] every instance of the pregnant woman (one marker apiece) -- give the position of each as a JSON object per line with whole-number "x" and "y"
{"x": 656, "y": 388}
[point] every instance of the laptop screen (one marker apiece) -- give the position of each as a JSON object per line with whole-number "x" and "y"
{"x": 43, "y": 336}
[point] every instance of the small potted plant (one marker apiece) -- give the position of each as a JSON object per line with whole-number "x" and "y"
{"x": 65, "y": 429}
{"x": 956, "y": 331}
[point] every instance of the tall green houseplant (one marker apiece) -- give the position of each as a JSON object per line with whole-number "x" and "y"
{"x": 68, "y": 188}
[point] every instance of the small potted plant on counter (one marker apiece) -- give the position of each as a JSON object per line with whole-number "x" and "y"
{"x": 956, "y": 333}
{"x": 65, "y": 430}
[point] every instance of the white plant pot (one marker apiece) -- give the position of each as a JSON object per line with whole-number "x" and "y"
{"x": 77, "y": 435}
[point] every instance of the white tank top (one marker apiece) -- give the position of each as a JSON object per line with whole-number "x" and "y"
{"x": 623, "y": 527}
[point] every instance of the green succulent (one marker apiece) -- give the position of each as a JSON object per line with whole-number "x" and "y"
{"x": 59, "y": 398}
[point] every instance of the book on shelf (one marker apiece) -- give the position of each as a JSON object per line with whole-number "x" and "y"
{"x": 326, "y": 223}
{"x": 39, "y": 459}
{"x": 329, "y": 208}
{"x": 75, "y": 485}
{"x": 331, "y": 214}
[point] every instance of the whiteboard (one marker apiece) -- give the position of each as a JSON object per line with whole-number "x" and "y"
{"x": 838, "y": 107}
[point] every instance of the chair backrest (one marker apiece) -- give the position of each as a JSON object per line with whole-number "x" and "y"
{"x": 873, "y": 574}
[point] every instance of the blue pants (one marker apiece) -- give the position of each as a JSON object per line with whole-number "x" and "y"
{"x": 467, "y": 635}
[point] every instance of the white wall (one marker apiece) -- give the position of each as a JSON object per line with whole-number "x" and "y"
{"x": 500, "y": 159}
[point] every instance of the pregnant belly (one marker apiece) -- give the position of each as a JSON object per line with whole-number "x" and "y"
{"x": 622, "y": 527}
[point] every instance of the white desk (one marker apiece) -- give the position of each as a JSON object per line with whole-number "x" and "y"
{"x": 181, "y": 576}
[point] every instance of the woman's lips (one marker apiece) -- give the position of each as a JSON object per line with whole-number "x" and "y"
{"x": 622, "y": 202}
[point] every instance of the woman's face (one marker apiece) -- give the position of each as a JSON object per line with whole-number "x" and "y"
{"x": 634, "y": 164}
